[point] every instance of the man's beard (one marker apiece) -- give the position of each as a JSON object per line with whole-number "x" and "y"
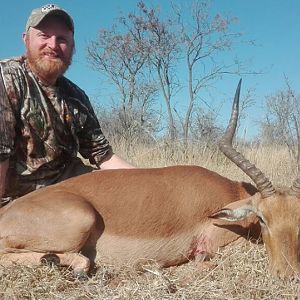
{"x": 48, "y": 68}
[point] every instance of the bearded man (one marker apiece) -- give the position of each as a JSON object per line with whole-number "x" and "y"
{"x": 45, "y": 119}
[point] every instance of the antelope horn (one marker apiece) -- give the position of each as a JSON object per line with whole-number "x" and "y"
{"x": 295, "y": 188}
{"x": 262, "y": 183}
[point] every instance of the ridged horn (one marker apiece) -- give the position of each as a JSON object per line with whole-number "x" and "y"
{"x": 262, "y": 183}
{"x": 295, "y": 188}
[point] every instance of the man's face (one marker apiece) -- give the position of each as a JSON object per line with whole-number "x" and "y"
{"x": 49, "y": 48}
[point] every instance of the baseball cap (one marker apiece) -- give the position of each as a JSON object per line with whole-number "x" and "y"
{"x": 38, "y": 14}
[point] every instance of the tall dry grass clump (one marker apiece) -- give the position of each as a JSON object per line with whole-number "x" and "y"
{"x": 237, "y": 272}
{"x": 274, "y": 161}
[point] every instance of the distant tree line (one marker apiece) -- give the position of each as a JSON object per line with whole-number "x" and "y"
{"x": 140, "y": 55}
{"x": 281, "y": 124}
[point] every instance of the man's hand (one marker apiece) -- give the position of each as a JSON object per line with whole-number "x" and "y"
{"x": 115, "y": 162}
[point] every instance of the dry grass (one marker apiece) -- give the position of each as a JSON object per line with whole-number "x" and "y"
{"x": 238, "y": 272}
{"x": 273, "y": 161}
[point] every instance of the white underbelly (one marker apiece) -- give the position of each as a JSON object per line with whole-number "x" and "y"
{"x": 130, "y": 251}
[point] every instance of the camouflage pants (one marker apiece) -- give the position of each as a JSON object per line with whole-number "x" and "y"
{"x": 74, "y": 168}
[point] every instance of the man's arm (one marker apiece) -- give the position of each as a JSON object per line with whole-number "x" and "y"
{"x": 7, "y": 133}
{"x": 93, "y": 144}
{"x": 113, "y": 161}
{"x": 3, "y": 171}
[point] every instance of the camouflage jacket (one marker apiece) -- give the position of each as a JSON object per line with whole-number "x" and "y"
{"x": 43, "y": 127}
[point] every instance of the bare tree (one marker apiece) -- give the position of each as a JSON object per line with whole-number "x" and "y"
{"x": 205, "y": 126}
{"x": 163, "y": 51}
{"x": 121, "y": 57}
{"x": 282, "y": 121}
{"x": 204, "y": 37}
{"x": 153, "y": 47}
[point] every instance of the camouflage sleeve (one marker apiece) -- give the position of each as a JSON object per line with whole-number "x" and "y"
{"x": 7, "y": 124}
{"x": 93, "y": 143}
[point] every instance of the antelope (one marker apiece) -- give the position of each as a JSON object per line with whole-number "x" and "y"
{"x": 169, "y": 215}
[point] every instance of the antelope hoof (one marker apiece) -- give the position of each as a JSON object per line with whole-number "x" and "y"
{"x": 81, "y": 275}
{"x": 50, "y": 259}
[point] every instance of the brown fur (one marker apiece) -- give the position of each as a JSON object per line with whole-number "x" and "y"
{"x": 125, "y": 216}
{"x": 143, "y": 195}
{"x": 281, "y": 232}
{"x": 279, "y": 215}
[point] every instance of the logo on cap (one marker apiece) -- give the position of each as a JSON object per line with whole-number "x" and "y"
{"x": 49, "y": 7}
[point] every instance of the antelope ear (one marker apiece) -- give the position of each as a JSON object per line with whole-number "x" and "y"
{"x": 233, "y": 214}
{"x": 238, "y": 210}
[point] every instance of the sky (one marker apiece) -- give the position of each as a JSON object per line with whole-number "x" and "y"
{"x": 272, "y": 24}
